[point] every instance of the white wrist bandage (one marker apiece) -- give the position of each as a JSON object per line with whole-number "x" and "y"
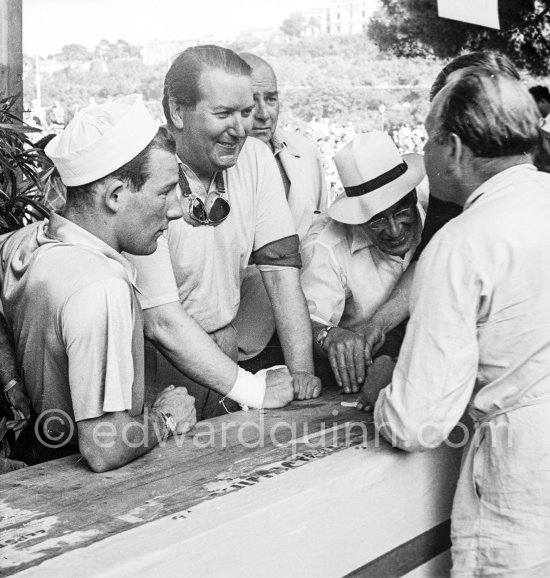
{"x": 249, "y": 389}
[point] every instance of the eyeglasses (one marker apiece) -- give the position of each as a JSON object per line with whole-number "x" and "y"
{"x": 407, "y": 213}
{"x": 212, "y": 212}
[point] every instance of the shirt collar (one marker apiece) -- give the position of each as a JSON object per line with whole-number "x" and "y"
{"x": 197, "y": 188}
{"x": 494, "y": 182}
{"x": 278, "y": 142}
{"x": 65, "y": 231}
{"x": 359, "y": 239}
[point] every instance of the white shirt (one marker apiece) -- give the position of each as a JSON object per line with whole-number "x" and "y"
{"x": 202, "y": 266}
{"x": 346, "y": 278}
{"x": 70, "y": 302}
{"x": 480, "y": 313}
{"x": 480, "y": 332}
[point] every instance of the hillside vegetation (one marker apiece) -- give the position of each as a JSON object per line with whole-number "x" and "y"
{"x": 345, "y": 79}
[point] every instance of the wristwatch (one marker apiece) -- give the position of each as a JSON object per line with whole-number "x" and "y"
{"x": 322, "y": 335}
{"x": 169, "y": 422}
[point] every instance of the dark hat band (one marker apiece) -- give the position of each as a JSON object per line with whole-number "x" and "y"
{"x": 378, "y": 182}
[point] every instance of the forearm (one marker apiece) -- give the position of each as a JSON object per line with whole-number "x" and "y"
{"x": 8, "y": 366}
{"x": 189, "y": 348}
{"x": 291, "y": 318}
{"x": 396, "y": 308}
{"x": 15, "y": 394}
{"x": 114, "y": 439}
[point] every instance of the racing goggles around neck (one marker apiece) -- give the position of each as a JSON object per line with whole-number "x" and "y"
{"x": 212, "y": 212}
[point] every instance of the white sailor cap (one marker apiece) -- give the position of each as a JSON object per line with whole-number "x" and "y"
{"x": 101, "y": 139}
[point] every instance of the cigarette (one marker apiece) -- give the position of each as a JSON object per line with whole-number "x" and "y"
{"x": 349, "y": 403}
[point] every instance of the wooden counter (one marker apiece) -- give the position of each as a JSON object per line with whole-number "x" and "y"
{"x": 303, "y": 491}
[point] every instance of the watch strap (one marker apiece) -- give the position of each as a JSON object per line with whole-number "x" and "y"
{"x": 323, "y": 334}
{"x": 169, "y": 422}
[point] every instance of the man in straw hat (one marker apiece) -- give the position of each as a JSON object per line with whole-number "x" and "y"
{"x": 69, "y": 294}
{"x": 478, "y": 333}
{"x": 354, "y": 256}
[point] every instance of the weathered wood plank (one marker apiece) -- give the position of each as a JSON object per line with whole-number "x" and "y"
{"x": 326, "y": 519}
{"x": 64, "y": 498}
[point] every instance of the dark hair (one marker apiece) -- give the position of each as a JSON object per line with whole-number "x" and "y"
{"x": 540, "y": 93}
{"x": 181, "y": 83}
{"x": 482, "y": 59}
{"x": 493, "y": 114}
{"x": 135, "y": 171}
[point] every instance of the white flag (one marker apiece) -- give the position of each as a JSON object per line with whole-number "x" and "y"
{"x": 480, "y": 12}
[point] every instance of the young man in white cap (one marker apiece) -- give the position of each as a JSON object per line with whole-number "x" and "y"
{"x": 69, "y": 294}
{"x": 305, "y": 187}
{"x": 354, "y": 256}
{"x": 234, "y": 209}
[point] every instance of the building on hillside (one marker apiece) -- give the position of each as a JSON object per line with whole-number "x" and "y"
{"x": 164, "y": 51}
{"x": 340, "y": 17}
{"x": 258, "y": 35}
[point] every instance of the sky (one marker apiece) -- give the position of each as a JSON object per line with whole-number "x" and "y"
{"x": 50, "y": 24}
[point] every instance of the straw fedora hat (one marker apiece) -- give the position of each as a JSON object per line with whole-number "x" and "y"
{"x": 375, "y": 176}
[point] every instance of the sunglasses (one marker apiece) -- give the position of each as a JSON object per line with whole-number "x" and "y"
{"x": 212, "y": 212}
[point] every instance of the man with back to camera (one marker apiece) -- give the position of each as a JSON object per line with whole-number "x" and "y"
{"x": 69, "y": 294}
{"x": 305, "y": 186}
{"x": 234, "y": 207}
{"x": 478, "y": 332}
{"x": 391, "y": 318}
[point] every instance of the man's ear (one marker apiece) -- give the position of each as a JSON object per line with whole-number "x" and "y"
{"x": 457, "y": 150}
{"x": 176, "y": 113}
{"x": 460, "y": 155}
{"x": 114, "y": 191}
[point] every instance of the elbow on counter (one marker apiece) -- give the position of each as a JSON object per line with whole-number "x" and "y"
{"x": 405, "y": 431}
{"x": 100, "y": 461}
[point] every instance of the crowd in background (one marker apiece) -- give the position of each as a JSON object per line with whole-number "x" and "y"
{"x": 329, "y": 136}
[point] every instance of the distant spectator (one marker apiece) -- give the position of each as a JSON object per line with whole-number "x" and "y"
{"x": 59, "y": 113}
{"x": 541, "y": 94}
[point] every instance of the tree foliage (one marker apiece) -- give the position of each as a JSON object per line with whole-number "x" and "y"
{"x": 413, "y": 28}
{"x": 107, "y": 50}
{"x": 294, "y": 25}
{"x": 344, "y": 78}
{"x": 74, "y": 52}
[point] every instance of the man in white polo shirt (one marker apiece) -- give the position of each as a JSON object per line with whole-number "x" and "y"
{"x": 234, "y": 208}
{"x": 69, "y": 294}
